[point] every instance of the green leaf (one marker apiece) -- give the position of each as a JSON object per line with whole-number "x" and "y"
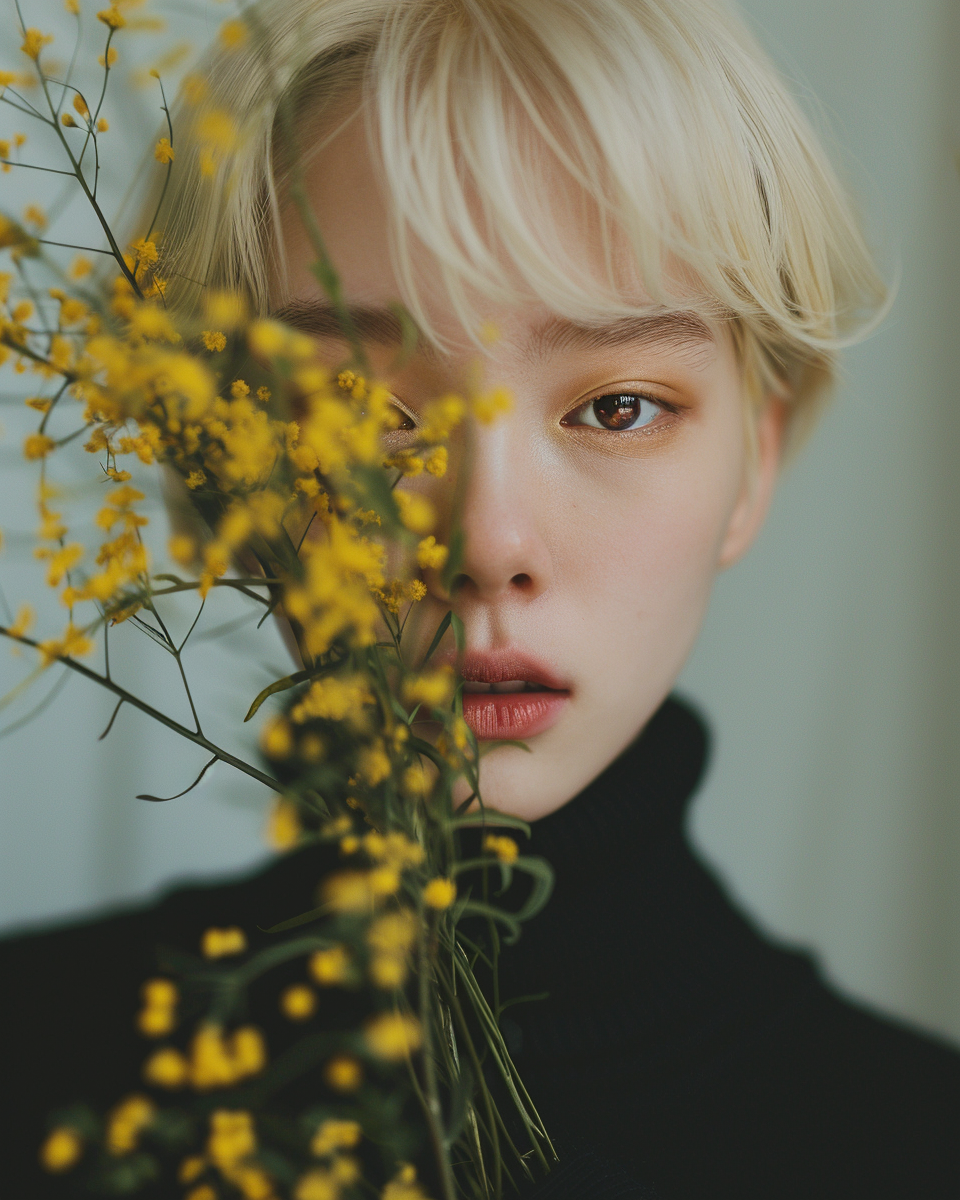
{"x": 421, "y": 747}
{"x": 304, "y": 919}
{"x": 524, "y": 1000}
{"x": 508, "y": 920}
{"x": 492, "y": 818}
{"x": 279, "y": 685}
{"x": 437, "y": 638}
{"x": 457, "y": 543}
{"x": 542, "y": 874}
{"x": 459, "y": 633}
{"x": 488, "y": 746}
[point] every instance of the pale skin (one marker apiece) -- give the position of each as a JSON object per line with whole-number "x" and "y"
{"x": 591, "y": 549}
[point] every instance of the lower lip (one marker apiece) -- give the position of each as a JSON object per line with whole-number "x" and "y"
{"x": 498, "y": 715}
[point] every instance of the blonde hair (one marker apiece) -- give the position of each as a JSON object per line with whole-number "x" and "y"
{"x": 666, "y": 114}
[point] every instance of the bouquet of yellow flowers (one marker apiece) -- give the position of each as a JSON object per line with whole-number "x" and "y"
{"x": 280, "y": 489}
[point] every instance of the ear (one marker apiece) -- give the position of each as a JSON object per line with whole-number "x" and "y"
{"x": 760, "y": 479}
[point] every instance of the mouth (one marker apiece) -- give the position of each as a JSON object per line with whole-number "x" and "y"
{"x": 509, "y": 694}
{"x": 506, "y": 687}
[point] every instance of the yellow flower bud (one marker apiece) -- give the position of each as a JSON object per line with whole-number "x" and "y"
{"x": 298, "y": 1002}
{"x": 249, "y": 1050}
{"x": 167, "y": 1068}
{"x": 373, "y": 764}
{"x": 112, "y": 17}
{"x": 156, "y": 1022}
{"x": 393, "y": 1036}
{"x": 436, "y": 461}
{"x": 191, "y": 1168}
{"x": 388, "y": 971}
{"x": 347, "y": 891}
{"x": 434, "y": 689}
{"x": 384, "y": 881}
{"x": 218, "y": 943}
{"x": 330, "y": 966}
{"x": 416, "y": 511}
{"x": 34, "y": 41}
{"x": 439, "y": 893}
{"x": 489, "y": 407}
{"x": 283, "y": 827}
{"x": 343, "y": 1074}
{"x": 214, "y": 340}
{"x": 126, "y": 1122}
{"x": 37, "y": 445}
{"x": 316, "y": 1185}
{"x": 233, "y": 34}
{"x": 505, "y": 848}
{"x": 160, "y": 993}
{"x": 393, "y": 933}
{"x": 277, "y": 739}
{"x": 61, "y": 1150}
{"x": 335, "y": 1135}
{"x": 431, "y": 555}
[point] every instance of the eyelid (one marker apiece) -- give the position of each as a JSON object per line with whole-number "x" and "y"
{"x": 411, "y": 416}
{"x": 615, "y": 390}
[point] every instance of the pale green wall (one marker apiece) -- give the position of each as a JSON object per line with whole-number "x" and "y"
{"x": 830, "y": 663}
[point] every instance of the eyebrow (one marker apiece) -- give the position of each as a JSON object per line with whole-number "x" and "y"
{"x": 382, "y": 326}
{"x": 680, "y": 329}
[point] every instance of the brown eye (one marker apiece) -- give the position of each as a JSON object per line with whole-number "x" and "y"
{"x": 617, "y": 411}
{"x": 401, "y": 421}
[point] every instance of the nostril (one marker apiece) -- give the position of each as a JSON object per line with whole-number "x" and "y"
{"x": 465, "y": 584}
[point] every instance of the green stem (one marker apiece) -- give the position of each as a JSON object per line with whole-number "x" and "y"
{"x": 491, "y": 1123}
{"x": 135, "y": 702}
{"x": 432, "y": 1107}
{"x": 91, "y": 199}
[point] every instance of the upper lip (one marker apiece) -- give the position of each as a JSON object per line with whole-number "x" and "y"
{"x": 501, "y": 666}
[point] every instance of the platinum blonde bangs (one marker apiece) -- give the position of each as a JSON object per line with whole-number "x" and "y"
{"x": 694, "y": 171}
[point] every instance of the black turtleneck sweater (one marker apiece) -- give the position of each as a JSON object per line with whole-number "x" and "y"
{"x": 679, "y": 1056}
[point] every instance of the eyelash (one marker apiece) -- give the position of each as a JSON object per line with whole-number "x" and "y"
{"x": 587, "y": 406}
{"x": 405, "y": 413}
{"x": 662, "y": 405}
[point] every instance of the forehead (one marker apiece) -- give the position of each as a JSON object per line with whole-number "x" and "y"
{"x": 448, "y": 309}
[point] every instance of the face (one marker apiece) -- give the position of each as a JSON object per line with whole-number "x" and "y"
{"x": 596, "y": 513}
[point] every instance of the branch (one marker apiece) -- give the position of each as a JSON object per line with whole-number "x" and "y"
{"x": 150, "y": 711}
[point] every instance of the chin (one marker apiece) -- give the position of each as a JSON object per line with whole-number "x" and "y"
{"x": 528, "y": 790}
{"x": 559, "y": 763}
{"x": 535, "y": 782}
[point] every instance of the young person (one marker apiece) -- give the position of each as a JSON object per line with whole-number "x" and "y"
{"x": 613, "y": 209}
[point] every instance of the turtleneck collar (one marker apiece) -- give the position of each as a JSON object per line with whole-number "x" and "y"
{"x": 638, "y": 944}
{"x": 642, "y": 794}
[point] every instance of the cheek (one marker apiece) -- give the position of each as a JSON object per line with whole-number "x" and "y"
{"x": 642, "y": 544}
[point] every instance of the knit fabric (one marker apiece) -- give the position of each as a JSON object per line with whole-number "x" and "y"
{"x": 678, "y": 1054}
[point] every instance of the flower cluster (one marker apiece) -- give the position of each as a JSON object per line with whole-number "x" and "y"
{"x": 282, "y": 489}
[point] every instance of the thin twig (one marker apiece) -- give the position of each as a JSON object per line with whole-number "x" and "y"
{"x": 150, "y": 711}
{"x": 9, "y": 162}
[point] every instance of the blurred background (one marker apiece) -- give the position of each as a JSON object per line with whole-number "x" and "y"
{"x": 829, "y": 668}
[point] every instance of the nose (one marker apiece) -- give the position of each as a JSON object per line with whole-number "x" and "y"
{"x": 504, "y": 552}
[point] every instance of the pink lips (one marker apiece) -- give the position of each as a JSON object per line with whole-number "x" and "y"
{"x": 510, "y": 694}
